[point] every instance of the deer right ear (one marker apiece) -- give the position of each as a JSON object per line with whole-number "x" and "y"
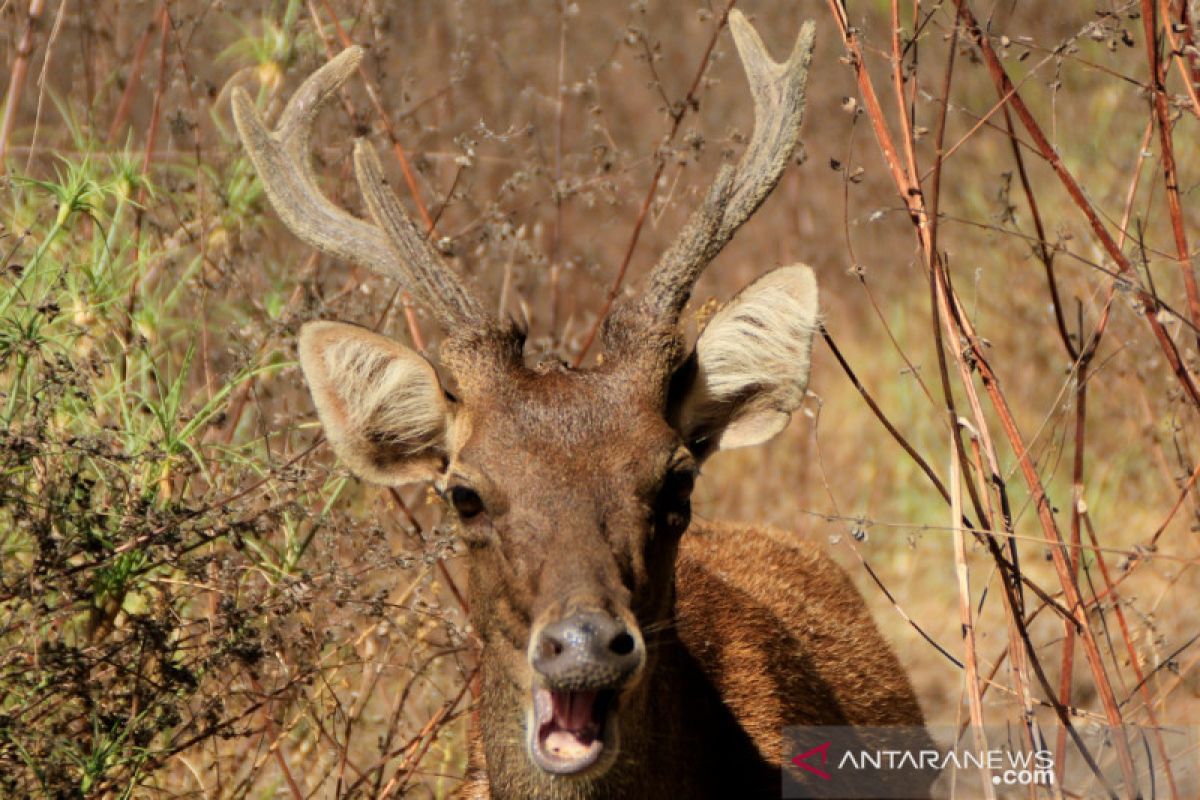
{"x": 381, "y": 404}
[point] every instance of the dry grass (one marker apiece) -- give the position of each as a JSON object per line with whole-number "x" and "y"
{"x": 195, "y": 600}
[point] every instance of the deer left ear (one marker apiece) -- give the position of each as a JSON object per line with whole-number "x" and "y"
{"x": 749, "y": 370}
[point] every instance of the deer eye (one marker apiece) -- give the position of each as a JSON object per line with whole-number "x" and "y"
{"x": 677, "y": 487}
{"x": 466, "y": 501}
{"x": 673, "y": 505}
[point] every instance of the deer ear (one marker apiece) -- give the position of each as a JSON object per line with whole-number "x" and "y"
{"x": 749, "y": 370}
{"x": 381, "y": 404}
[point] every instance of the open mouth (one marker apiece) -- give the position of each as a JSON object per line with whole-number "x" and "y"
{"x": 572, "y": 730}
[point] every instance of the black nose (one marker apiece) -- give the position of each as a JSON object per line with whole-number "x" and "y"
{"x": 586, "y": 650}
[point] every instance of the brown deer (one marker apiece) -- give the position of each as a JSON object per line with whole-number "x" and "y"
{"x": 628, "y": 649}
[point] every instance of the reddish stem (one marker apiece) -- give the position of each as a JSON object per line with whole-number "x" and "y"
{"x": 132, "y": 83}
{"x": 1170, "y": 173}
{"x": 676, "y": 119}
{"x": 16, "y": 81}
{"x": 1150, "y": 304}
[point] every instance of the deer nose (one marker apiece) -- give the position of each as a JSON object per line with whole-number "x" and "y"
{"x": 587, "y": 650}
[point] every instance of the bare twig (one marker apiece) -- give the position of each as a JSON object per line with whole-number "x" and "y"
{"x": 37, "y": 115}
{"x": 1170, "y": 171}
{"x": 16, "y": 81}
{"x": 276, "y": 740}
{"x": 132, "y": 83}
{"x": 691, "y": 100}
{"x": 410, "y": 317}
{"x": 957, "y": 324}
{"x": 1177, "y": 52}
{"x": 397, "y": 148}
{"x": 559, "y": 117}
{"x": 164, "y": 18}
{"x": 970, "y": 658}
{"x": 1149, "y": 303}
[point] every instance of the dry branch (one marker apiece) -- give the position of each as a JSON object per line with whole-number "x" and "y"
{"x": 16, "y": 81}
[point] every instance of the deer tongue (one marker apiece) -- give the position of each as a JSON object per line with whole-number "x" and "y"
{"x": 570, "y": 728}
{"x": 575, "y": 712}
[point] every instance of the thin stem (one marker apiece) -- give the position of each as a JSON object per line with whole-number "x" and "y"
{"x": 1170, "y": 172}
{"x": 16, "y": 81}
{"x": 1149, "y": 303}
{"x": 690, "y": 101}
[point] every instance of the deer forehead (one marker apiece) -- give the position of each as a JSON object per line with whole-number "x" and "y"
{"x": 553, "y": 425}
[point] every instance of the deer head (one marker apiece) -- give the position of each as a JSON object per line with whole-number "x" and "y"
{"x": 570, "y": 487}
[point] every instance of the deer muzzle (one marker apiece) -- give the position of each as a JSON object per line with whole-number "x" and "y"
{"x": 581, "y": 664}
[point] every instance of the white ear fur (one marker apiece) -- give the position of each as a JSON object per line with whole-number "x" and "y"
{"x": 381, "y": 404}
{"x": 749, "y": 371}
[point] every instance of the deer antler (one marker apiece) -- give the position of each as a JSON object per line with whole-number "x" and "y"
{"x": 778, "y": 90}
{"x": 393, "y": 246}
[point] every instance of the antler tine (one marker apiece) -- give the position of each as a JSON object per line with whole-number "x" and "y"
{"x": 449, "y": 298}
{"x": 283, "y": 162}
{"x": 778, "y": 90}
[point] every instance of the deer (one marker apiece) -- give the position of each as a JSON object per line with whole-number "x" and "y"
{"x": 627, "y": 648}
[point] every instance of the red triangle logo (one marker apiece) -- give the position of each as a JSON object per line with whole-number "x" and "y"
{"x": 821, "y": 750}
